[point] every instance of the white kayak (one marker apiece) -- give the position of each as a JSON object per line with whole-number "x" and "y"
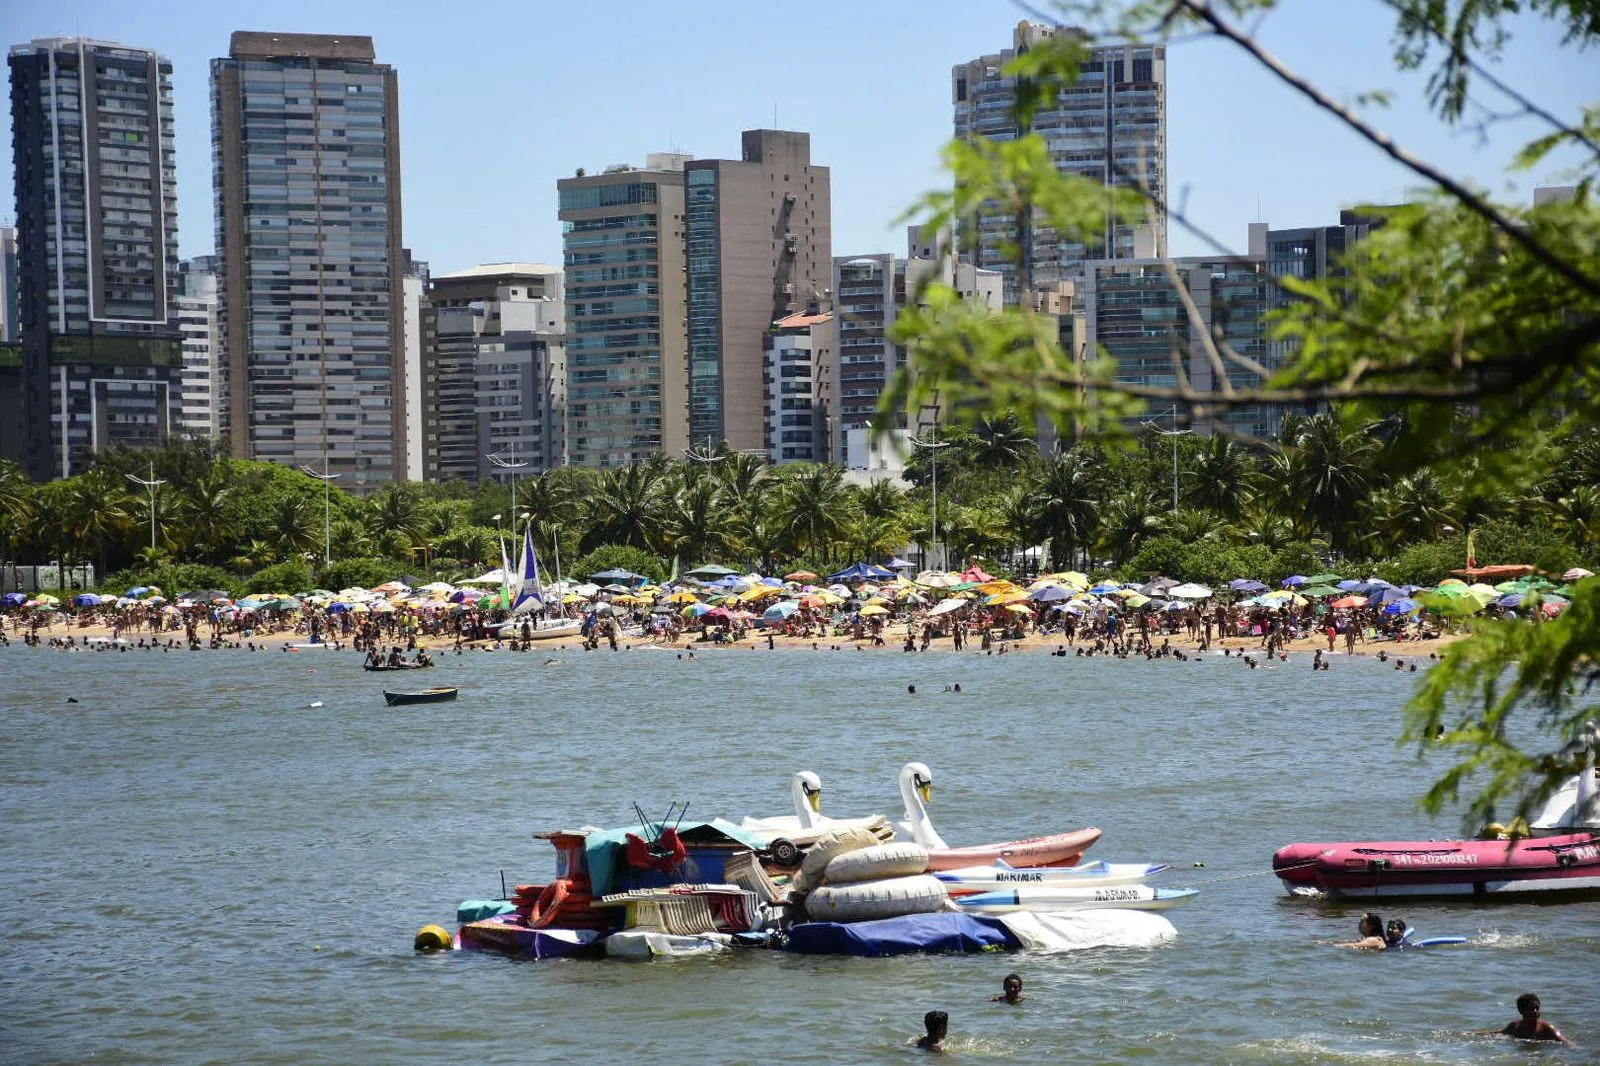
{"x": 1068, "y": 898}
{"x": 1098, "y": 874}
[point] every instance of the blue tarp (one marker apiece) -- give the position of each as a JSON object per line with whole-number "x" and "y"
{"x": 902, "y": 936}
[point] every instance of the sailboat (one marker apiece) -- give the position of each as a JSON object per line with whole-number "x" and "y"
{"x": 528, "y": 596}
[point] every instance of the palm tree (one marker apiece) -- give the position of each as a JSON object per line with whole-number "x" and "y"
{"x": 695, "y": 528}
{"x": 253, "y": 555}
{"x": 1326, "y": 472}
{"x": 816, "y": 506}
{"x": 1066, "y": 497}
{"x": 747, "y": 482}
{"x": 1224, "y": 477}
{"x": 625, "y": 508}
{"x": 1413, "y": 508}
{"x": 1577, "y": 515}
{"x": 294, "y": 526}
{"x": 1000, "y": 443}
{"x": 206, "y": 513}
{"x": 96, "y": 511}
{"x": 1127, "y": 518}
{"x": 397, "y": 520}
{"x": 471, "y": 545}
{"x": 16, "y": 504}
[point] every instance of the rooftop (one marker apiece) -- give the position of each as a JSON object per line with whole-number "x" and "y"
{"x": 497, "y": 270}
{"x": 248, "y": 44}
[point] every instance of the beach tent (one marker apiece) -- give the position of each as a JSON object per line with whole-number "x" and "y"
{"x": 710, "y": 570}
{"x": 861, "y": 572}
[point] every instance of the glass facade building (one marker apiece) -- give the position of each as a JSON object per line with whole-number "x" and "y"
{"x": 1110, "y": 128}
{"x": 305, "y": 141}
{"x": 627, "y": 365}
{"x": 97, "y": 240}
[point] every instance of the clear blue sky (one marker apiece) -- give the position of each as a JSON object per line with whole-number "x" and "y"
{"x": 498, "y": 100}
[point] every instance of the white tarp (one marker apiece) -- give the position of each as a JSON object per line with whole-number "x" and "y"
{"x": 1051, "y": 931}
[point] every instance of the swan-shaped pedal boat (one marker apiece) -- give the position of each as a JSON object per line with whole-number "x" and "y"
{"x": 807, "y": 823}
{"x": 916, "y": 791}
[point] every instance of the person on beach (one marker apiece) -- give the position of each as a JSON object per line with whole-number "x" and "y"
{"x": 937, "y": 1023}
{"x": 1371, "y": 930}
{"x": 1010, "y": 990}
{"x": 1528, "y": 1025}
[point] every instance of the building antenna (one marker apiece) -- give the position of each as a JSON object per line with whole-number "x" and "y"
{"x": 1258, "y": 207}
{"x": 774, "y": 114}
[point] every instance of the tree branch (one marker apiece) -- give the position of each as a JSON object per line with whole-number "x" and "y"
{"x": 1473, "y": 202}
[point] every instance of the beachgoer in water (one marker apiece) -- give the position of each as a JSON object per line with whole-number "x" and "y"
{"x": 937, "y": 1022}
{"x": 1010, "y": 990}
{"x": 1371, "y": 930}
{"x": 1395, "y": 933}
{"x": 1529, "y": 1026}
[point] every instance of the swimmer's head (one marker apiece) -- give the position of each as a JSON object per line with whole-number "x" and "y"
{"x": 937, "y": 1022}
{"x": 1012, "y": 985}
{"x": 1528, "y": 1005}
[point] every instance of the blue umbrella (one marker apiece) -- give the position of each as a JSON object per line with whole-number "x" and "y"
{"x": 1294, "y": 582}
{"x": 13, "y": 599}
{"x": 1510, "y": 599}
{"x": 137, "y": 590}
{"x": 775, "y": 582}
{"x": 86, "y": 599}
{"x": 1400, "y": 606}
{"x": 1349, "y": 586}
{"x": 1051, "y": 594}
{"x": 780, "y": 610}
{"x": 341, "y": 608}
{"x": 1388, "y": 594}
{"x": 1105, "y": 587}
{"x": 1245, "y": 584}
{"x": 1175, "y": 605}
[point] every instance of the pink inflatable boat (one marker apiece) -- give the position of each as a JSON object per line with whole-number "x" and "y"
{"x": 1565, "y": 863}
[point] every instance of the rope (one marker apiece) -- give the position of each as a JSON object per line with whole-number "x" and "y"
{"x": 1253, "y": 873}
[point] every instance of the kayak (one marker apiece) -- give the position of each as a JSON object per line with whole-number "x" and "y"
{"x": 1098, "y": 874}
{"x": 1064, "y": 898}
{"x": 1058, "y": 849}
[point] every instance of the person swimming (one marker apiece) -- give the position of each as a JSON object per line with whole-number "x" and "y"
{"x": 1010, "y": 990}
{"x": 1528, "y": 1025}
{"x": 1371, "y": 930}
{"x": 937, "y": 1023}
{"x": 1395, "y": 934}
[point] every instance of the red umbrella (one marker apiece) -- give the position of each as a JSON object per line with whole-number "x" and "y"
{"x": 1350, "y": 601}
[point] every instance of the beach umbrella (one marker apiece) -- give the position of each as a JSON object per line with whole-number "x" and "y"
{"x": 717, "y": 615}
{"x": 1553, "y": 608}
{"x": 1188, "y": 592}
{"x": 695, "y": 610}
{"x": 86, "y": 599}
{"x": 1451, "y": 582}
{"x": 1104, "y": 587}
{"x": 1176, "y": 605}
{"x": 1001, "y": 599}
{"x": 432, "y": 586}
{"x": 1348, "y": 586}
{"x": 137, "y": 590}
{"x": 872, "y": 610}
{"x": 1019, "y": 608}
{"x": 1245, "y": 584}
{"x": 619, "y": 575}
{"x": 780, "y": 610}
{"x": 1157, "y": 586}
{"x": 1136, "y": 601}
{"x": 1577, "y": 573}
{"x": 947, "y": 606}
{"x": 392, "y": 586}
{"x": 683, "y": 597}
{"x": 710, "y": 570}
{"x": 12, "y": 599}
{"x": 1051, "y": 594}
{"x": 1386, "y": 595}
{"x": 1401, "y": 606}
{"x": 1324, "y": 579}
{"x": 1295, "y": 581}
{"x": 1451, "y": 590}
{"x": 800, "y": 575}
{"x": 1319, "y": 591}
{"x": 1348, "y": 601}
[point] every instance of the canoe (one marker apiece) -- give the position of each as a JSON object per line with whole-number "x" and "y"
{"x": 1058, "y": 849}
{"x": 1101, "y": 874}
{"x": 1066, "y": 898}
{"x": 549, "y": 632}
{"x": 1566, "y": 863}
{"x": 427, "y": 695}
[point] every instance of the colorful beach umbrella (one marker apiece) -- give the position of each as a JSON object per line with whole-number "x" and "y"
{"x": 1348, "y": 601}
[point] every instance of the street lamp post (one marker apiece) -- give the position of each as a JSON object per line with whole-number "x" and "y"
{"x": 327, "y": 478}
{"x": 150, "y": 483}
{"x": 513, "y": 464}
{"x": 933, "y": 444}
{"x": 1174, "y": 433}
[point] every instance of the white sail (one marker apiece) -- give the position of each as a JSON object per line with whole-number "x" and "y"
{"x": 530, "y": 593}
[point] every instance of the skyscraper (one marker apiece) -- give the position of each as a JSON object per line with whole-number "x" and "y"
{"x": 306, "y": 161}
{"x": 1110, "y": 127}
{"x": 495, "y": 372}
{"x": 97, "y": 238}
{"x": 627, "y": 369}
{"x": 9, "y": 329}
{"x": 760, "y": 248}
{"x": 202, "y": 386}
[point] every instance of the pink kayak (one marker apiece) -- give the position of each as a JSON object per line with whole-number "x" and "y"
{"x": 1058, "y": 849}
{"x": 1565, "y": 863}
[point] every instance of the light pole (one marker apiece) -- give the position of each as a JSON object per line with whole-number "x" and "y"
{"x": 513, "y": 464}
{"x": 150, "y": 483}
{"x": 1174, "y": 433}
{"x": 327, "y": 479}
{"x": 933, "y": 444}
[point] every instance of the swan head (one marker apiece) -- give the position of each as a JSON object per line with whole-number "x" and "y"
{"x": 809, "y": 785}
{"x": 920, "y": 778}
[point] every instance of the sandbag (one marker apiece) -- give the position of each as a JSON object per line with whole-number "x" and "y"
{"x": 823, "y": 852}
{"x": 877, "y": 863}
{"x": 870, "y": 900}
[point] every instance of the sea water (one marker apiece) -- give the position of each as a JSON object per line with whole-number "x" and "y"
{"x": 199, "y": 866}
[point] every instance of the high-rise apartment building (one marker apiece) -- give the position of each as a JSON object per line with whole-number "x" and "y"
{"x": 414, "y": 294}
{"x": 1109, "y": 127}
{"x": 627, "y": 361}
{"x": 799, "y": 354}
{"x": 9, "y": 328}
{"x": 306, "y": 162}
{"x": 759, "y": 241}
{"x": 494, "y": 373}
{"x": 97, "y": 250}
{"x": 201, "y": 384}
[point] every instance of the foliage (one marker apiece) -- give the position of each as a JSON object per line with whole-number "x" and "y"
{"x": 174, "y": 579}
{"x": 618, "y": 557}
{"x": 289, "y": 577}
{"x": 361, "y": 573}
